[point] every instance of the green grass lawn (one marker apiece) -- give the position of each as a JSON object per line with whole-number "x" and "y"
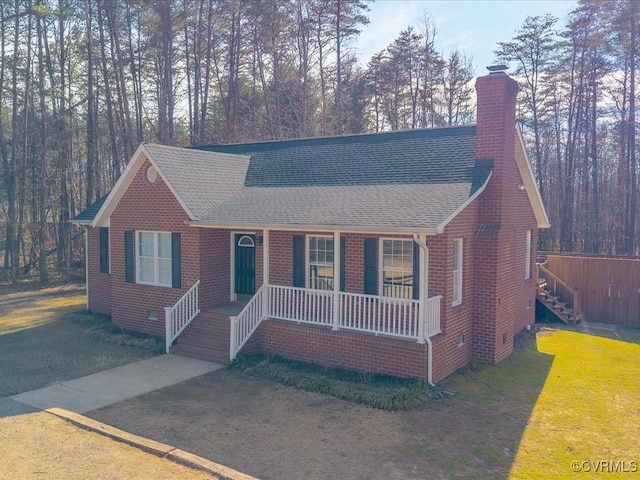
{"x": 588, "y": 408}
{"x": 569, "y": 395}
{"x": 565, "y": 395}
{"x": 572, "y": 395}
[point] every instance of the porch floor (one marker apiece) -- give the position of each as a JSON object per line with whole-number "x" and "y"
{"x": 231, "y": 309}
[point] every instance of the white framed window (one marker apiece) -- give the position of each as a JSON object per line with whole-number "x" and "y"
{"x": 456, "y": 270}
{"x": 320, "y": 262}
{"x": 153, "y": 258}
{"x": 396, "y": 267}
{"x": 527, "y": 256}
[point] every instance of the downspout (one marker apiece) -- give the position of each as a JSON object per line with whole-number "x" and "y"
{"x": 421, "y": 243}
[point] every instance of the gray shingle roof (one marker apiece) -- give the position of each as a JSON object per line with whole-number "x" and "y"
{"x": 386, "y": 181}
{"x": 378, "y": 207}
{"x": 439, "y": 155}
{"x": 202, "y": 179}
{"x": 395, "y": 180}
{"x": 90, "y": 212}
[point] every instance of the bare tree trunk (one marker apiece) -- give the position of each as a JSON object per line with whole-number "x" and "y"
{"x": 116, "y": 165}
{"x": 91, "y": 110}
{"x": 630, "y": 227}
{"x": 44, "y": 148}
{"x": 64, "y": 140}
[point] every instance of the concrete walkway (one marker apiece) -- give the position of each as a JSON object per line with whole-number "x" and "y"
{"x": 121, "y": 383}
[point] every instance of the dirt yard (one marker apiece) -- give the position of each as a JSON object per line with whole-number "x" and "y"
{"x": 38, "y": 445}
{"x": 275, "y": 432}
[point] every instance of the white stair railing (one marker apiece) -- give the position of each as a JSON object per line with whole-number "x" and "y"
{"x": 247, "y": 321}
{"x": 177, "y": 318}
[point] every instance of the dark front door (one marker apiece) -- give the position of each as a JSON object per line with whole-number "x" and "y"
{"x": 245, "y": 264}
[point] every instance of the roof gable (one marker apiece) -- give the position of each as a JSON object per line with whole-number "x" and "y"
{"x": 198, "y": 180}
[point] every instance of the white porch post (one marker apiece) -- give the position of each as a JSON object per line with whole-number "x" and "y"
{"x": 423, "y": 294}
{"x": 424, "y": 271}
{"x": 265, "y": 272}
{"x": 337, "y": 274}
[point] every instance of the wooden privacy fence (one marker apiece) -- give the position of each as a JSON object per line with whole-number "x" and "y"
{"x": 609, "y": 288}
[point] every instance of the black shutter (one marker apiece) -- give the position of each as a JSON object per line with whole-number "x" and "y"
{"x": 298, "y": 260}
{"x": 129, "y": 276}
{"x": 343, "y": 264}
{"x": 104, "y": 250}
{"x": 176, "y": 262}
{"x": 371, "y": 266}
{"x": 416, "y": 271}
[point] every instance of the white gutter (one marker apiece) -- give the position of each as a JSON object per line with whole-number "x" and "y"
{"x": 425, "y": 278}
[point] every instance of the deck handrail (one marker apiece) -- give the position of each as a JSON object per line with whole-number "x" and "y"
{"x": 557, "y": 287}
{"x": 246, "y": 322}
{"x": 180, "y": 315}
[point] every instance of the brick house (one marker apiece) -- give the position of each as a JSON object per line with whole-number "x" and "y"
{"x": 406, "y": 253}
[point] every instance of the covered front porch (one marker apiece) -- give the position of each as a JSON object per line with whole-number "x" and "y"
{"x": 401, "y": 310}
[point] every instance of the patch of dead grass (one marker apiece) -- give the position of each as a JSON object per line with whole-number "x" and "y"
{"x": 111, "y": 334}
{"x": 20, "y": 313}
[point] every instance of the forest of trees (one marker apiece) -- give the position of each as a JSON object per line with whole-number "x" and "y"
{"x": 83, "y": 82}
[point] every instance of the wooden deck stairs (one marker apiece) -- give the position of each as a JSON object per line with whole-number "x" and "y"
{"x": 556, "y": 297}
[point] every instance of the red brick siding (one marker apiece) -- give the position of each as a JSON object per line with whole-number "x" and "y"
{"x": 344, "y": 349}
{"x": 259, "y": 262}
{"x": 215, "y": 267}
{"x": 146, "y": 206}
{"x": 99, "y": 283}
{"x": 497, "y": 300}
{"x": 453, "y": 348}
{"x": 281, "y": 257}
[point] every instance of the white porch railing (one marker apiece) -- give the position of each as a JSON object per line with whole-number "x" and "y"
{"x": 301, "y": 305}
{"x": 177, "y": 318}
{"x": 395, "y": 317}
{"x": 246, "y": 322}
{"x": 380, "y": 315}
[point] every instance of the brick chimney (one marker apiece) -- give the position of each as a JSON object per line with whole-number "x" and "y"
{"x": 494, "y": 251}
{"x": 495, "y": 135}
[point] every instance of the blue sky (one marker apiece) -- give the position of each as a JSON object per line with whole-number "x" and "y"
{"x": 472, "y": 26}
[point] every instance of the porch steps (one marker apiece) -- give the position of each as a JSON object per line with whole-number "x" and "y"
{"x": 206, "y": 338}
